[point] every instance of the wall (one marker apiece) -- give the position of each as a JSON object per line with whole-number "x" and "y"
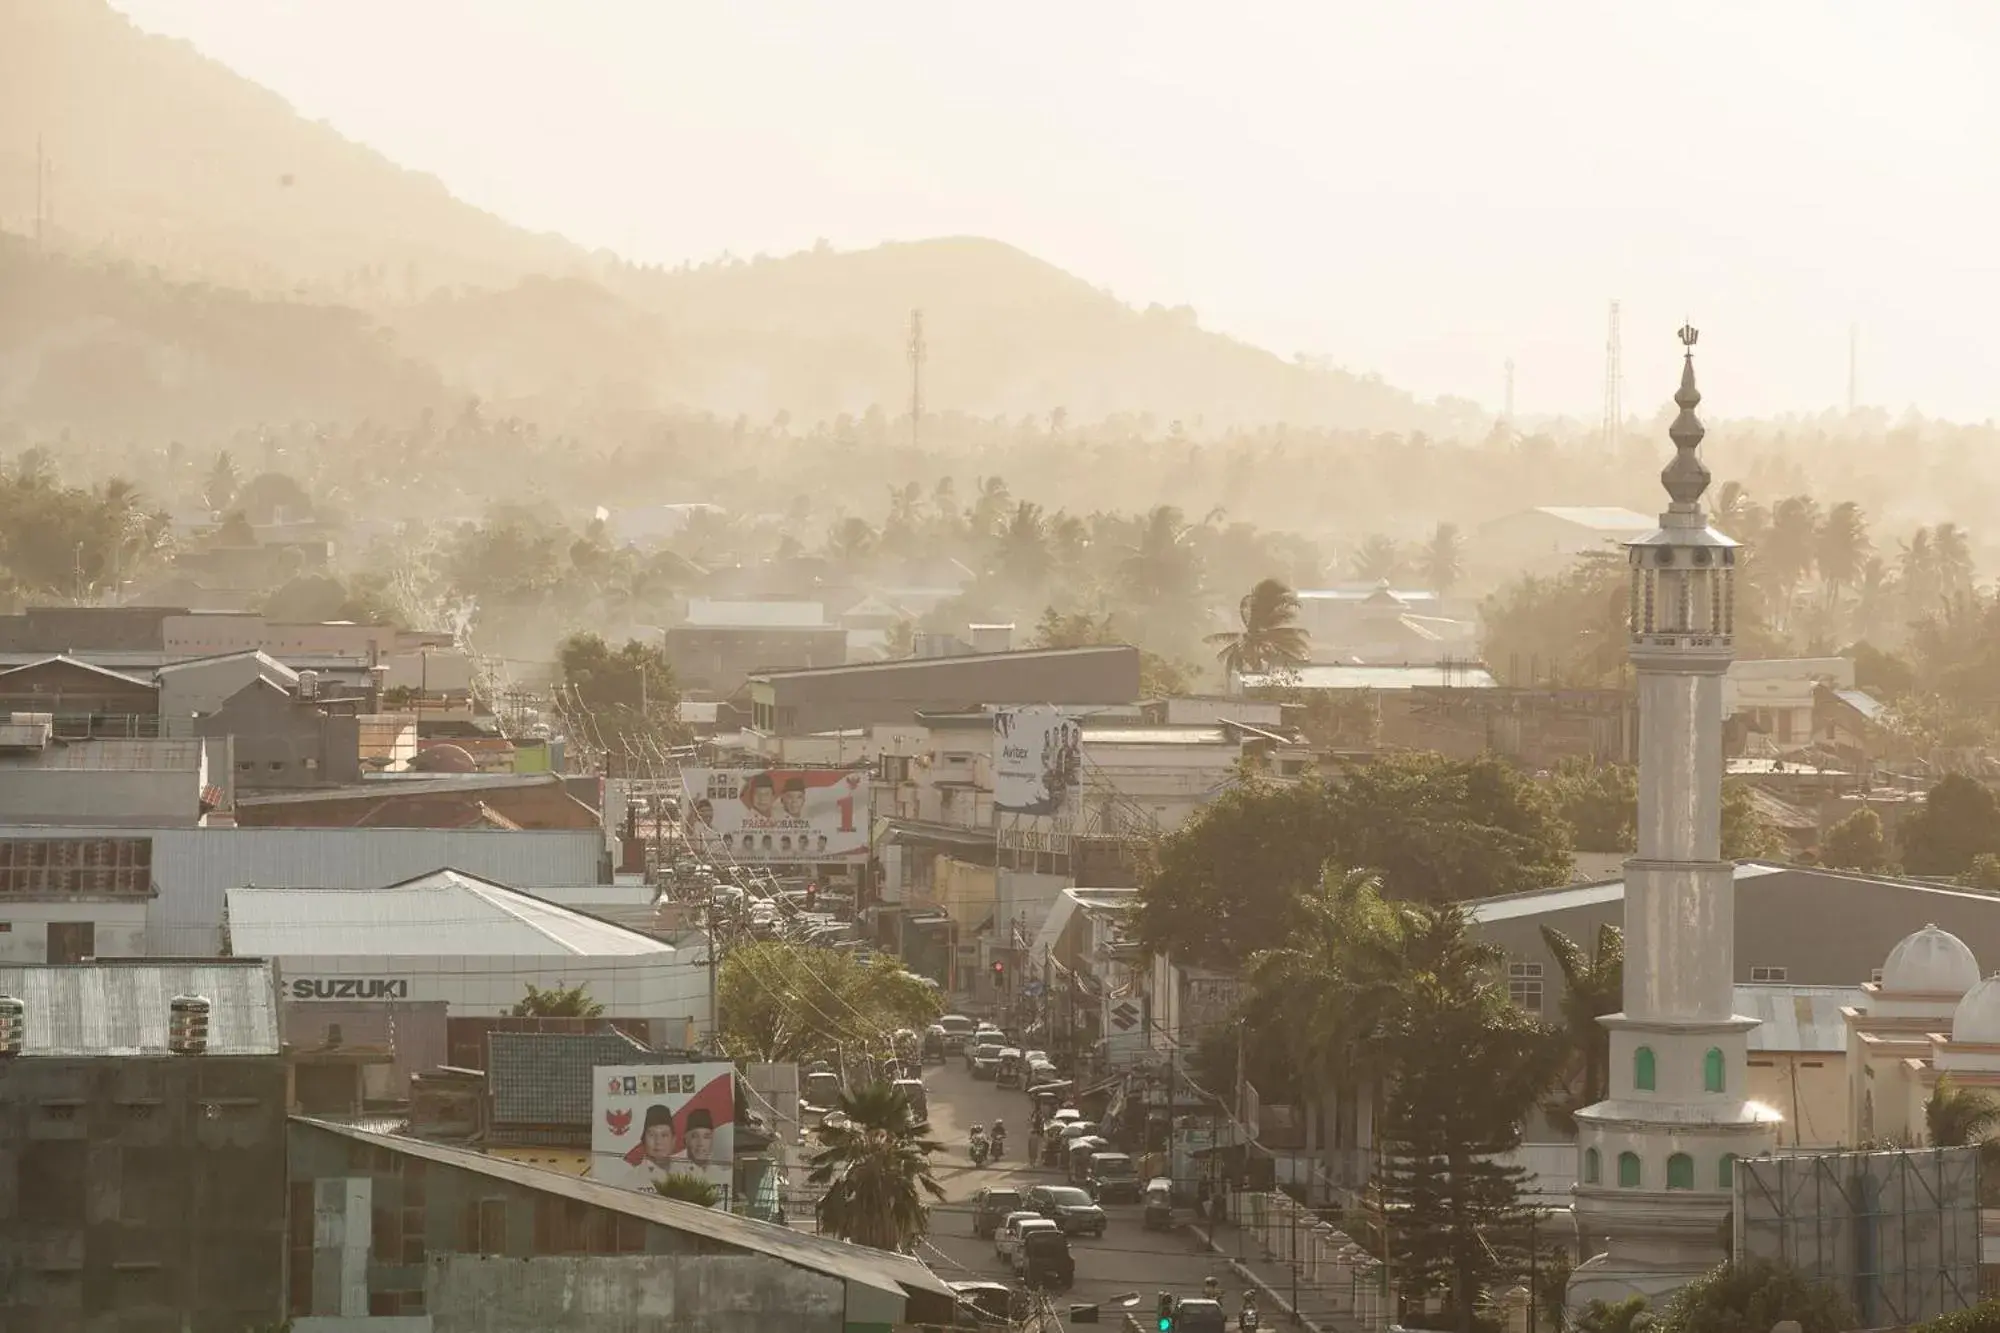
{"x": 283, "y": 743}
{"x": 724, "y": 1293}
{"x": 128, "y": 1204}
{"x": 895, "y": 692}
{"x": 100, "y": 798}
{"x": 541, "y": 805}
{"x": 1809, "y": 1089}
{"x": 964, "y": 890}
{"x": 193, "y": 867}
{"x": 718, "y": 658}
{"x": 24, "y": 927}
{"x": 666, "y": 985}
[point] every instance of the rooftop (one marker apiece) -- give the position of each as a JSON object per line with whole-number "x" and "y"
{"x": 121, "y": 1008}
{"x": 1195, "y": 735}
{"x": 545, "y": 1078}
{"x": 268, "y": 665}
{"x": 446, "y": 912}
{"x": 957, "y": 659}
{"x": 122, "y": 756}
{"x": 1601, "y": 518}
{"x": 64, "y": 659}
{"x": 1346, "y": 676}
{"x": 378, "y": 787}
{"x": 1798, "y": 1018}
{"x": 716, "y": 613}
{"x": 1538, "y": 902}
{"x": 894, "y": 1274}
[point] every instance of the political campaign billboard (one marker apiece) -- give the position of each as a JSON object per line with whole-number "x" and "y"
{"x": 649, "y": 1122}
{"x": 777, "y": 814}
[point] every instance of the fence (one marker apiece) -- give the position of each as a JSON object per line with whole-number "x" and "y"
{"x": 1330, "y": 1269}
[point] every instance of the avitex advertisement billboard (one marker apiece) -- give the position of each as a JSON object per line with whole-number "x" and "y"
{"x": 778, "y": 814}
{"x": 649, "y": 1122}
{"x": 1037, "y": 760}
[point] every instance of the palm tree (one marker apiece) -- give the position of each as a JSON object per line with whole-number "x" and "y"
{"x": 1377, "y": 560}
{"x": 1160, "y": 570}
{"x": 1953, "y": 553}
{"x": 688, "y": 1189}
{"x": 557, "y": 1002}
{"x": 219, "y": 491}
{"x": 1269, "y": 639}
{"x": 875, "y": 1164}
{"x": 1593, "y": 985}
{"x": 850, "y": 542}
{"x": 1957, "y": 1117}
{"x": 1918, "y": 567}
{"x": 1790, "y": 547}
{"x": 1023, "y": 556}
{"x": 1843, "y": 549}
{"x": 1443, "y": 561}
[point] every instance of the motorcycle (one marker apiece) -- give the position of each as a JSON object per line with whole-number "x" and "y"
{"x": 979, "y": 1148}
{"x": 1247, "y": 1321}
{"x": 999, "y": 1142}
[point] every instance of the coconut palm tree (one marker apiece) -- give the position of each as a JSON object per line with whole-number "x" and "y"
{"x": 1269, "y": 640}
{"x": 875, "y": 1163}
{"x": 1593, "y": 985}
{"x": 1957, "y": 1117}
{"x": 1377, "y": 560}
{"x": 688, "y": 1189}
{"x": 1442, "y": 563}
{"x": 1953, "y": 552}
{"x": 1843, "y": 549}
{"x": 1161, "y": 571}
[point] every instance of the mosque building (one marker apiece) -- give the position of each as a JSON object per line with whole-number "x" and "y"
{"x": 1931, "y": 1016}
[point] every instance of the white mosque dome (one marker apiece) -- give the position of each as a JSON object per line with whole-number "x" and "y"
{"x": 1977, "y": 1018}
{"x": 1931, "y": 962}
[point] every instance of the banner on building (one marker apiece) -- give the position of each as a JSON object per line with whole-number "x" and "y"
{"x": 649, "y": 1122}
{"x": 1037, "y": 760}
{"x": 778, "y": 814}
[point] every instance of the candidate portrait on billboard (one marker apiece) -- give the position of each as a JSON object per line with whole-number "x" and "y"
{"x": 783, "y": 814}
{"x": 1037, "y": 760}
{"x": 654, "y": 1121}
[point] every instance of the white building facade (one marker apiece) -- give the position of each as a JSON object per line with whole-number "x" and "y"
{"x": 1656, "y": 1158}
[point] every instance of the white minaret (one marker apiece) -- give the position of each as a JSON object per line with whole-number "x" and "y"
{"x": 1656, "y": 1159}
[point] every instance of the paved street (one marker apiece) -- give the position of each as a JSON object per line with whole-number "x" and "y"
{"x": 1128, "y": 1258}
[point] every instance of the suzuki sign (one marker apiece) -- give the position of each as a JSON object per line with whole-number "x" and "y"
{"x": 350, "y": 988}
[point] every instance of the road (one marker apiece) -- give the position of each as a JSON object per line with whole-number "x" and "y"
{"x": 1128, "y": 1258}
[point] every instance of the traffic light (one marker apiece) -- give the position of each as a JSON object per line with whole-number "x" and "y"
{"x": 999, "y": 972}
{"x": 1166, "y": 1320}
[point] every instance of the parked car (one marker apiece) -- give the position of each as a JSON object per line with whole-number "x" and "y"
{"x": 992, "y": 1206}
{"x": 920, "y": 1102}
{"x": 1113, "y": 1178}
{"x": 958, "y": 1029}
{"x": 1018, "y": 1257}
{"x": 1007, "y": 1241}
{"x": 1068, "y": 1207}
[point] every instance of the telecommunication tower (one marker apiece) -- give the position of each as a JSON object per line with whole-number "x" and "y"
{"x": 918, "y": 355}
{"x": 1614, "y": 387}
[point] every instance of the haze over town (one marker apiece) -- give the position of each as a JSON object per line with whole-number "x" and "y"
{"x": 627, "y": 628}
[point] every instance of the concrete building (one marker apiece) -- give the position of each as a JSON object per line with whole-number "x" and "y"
{"x": 476, "y": 1244}
{"x": 472, "y": 943}
{"x": 192, "y": 868}
{"x": 283, "y": 741}
{"x": 69, "y": 900}
{"x": 113, "y": 783}
{"x": 722, "y": 642}
{"x": 1375, "y": 623}
{"x": 1656, "y": 1157}
{"x": 1770, "y": 701}
{"x": 143, "y": 1142}
{"x": 81, "y": 700}
{"x": 455, "y": 800}
{"x": 877, "y": 693}
{"x": 1928, "y": 1015}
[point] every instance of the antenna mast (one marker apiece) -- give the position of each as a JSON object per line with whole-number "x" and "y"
{"x": 1614, "y": 387}
{"x": 918, "y": 354}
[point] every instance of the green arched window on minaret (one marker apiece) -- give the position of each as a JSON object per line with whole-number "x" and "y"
{"x": 1680, "y": 1172}
{"x": 1711, "y": 1070}
{"x": 1628, "y": 1170}
{"x": 1591, "y": 1170}
{"x": 1643, "y": 1069}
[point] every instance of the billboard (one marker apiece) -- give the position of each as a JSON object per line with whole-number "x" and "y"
{"x": 648, "y": 1122}
{"x": 778, "y": 814}
{"x": 1037, "y": 760}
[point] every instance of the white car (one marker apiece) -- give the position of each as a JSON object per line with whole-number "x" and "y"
{"x": 1008, "y": 1238}
{"x": 1017, "y": 1258}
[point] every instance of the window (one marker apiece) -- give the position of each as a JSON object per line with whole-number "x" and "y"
{"x": 71, "y": 941}
{"x": 1680, "y": 1172}
{"x": 1628, "y": 1170}
{"x": 1725, "y": 1170}
{"x": 1712, "y": 1071}
{"x": 1758, "y": 973}
{"x": 1642, "y": 1069}
{"x": 1591, "y": 1169}
{"x": 1524, "y": 986}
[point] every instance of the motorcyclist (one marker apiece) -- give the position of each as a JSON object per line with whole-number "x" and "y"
{"x": 1211, "y": 1287}
{"x": 999, "y": 1137}
{"x": 979, "y": 1145}
{"x": 1247, "y": 1320}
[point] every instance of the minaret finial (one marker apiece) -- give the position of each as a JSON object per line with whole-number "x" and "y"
{"x": 1686, "y": 478}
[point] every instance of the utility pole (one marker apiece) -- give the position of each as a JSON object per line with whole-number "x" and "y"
{"x": 1853, "y": 367}
{"x": 918, "y": 355}
{"x": 1614, "y": 387}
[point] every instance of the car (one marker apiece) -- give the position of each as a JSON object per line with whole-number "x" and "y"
{"x": 1198, "y": 1314}
{"x": 958, "y": 1029}
{"x": 1008, "y": 1075}
{"x": 1008, "y": 1238}
{"x": 913, "y": 1090}
{"x": 1113, "y": 1178}
{"x": 1017, "y": 1258}
{"x": 983, "y": 1060}
{"x": 992, "y": 1206}
{"x": 1069, "y": 1208}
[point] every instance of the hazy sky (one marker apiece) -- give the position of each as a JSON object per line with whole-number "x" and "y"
{"x": 1417, "y": 189}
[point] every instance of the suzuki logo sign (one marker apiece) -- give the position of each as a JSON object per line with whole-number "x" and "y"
{"x": 351, "y": 988}
{"x": 1125, "y": 1016}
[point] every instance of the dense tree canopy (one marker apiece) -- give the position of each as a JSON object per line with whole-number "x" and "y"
{"x": 782, "y": 1001}
{"x": 1959, "y": 820}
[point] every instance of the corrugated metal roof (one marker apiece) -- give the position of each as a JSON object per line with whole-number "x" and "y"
{"x": 379, "y": 787}
{"x": 880, "y": 1270}
{"x": 121, "y": 1008}
{"x": 712, "y": 613}
{"x": 90, "y": 667}
{"x": 1797, "y": 1018}
{"x": 1155, "y": 736}
{"x": 1345, "y": 676}
{"x": 1601, "y": 518}
{"x": 1541, "y": 902}
{"x": 124, "y": 756}
{"x": 254, "y": 661}
{"x": 1863, "y": 703}
{"x": 446, "y": 912}
{"x": 545, "y": 1078}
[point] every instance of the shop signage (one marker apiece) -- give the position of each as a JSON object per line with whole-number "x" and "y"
{"x": 351, "y": 988}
